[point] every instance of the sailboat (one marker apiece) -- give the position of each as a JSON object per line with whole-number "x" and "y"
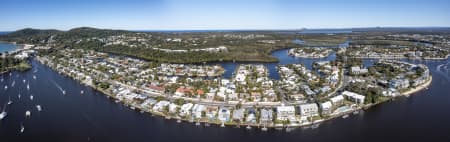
{"x": 6, "y": 87}
{"x": 34, "y": 77}
{"x": 28, "y": 86}
{"x": 31, "y": 97}
{"x": 82, "y": 91}
{"x": 13, "y": 83}
{"x": 18, "y": 96}
{"x": 24, "y": 81}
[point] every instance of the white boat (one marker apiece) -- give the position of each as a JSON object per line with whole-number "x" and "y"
{"x": 2, "y": 79}
{"x": 28, "y": 86}
{"x": 24, "y": 81}
{"x": 64, "y": 92}
{"x": 6, "y": 87}
{"x": 9, "y": 100}
{"x": 22, "y": 128}
{"x": 38, "y": 107}
{"x": 18, "y": 96}
{"x": 31, "y": 97}
{"x": 222, "y": 125}
{"x": 34, "y": 77}
{"x": 28, "y": 113}
{"x": 13, "y": 83}
{"x": 345, "y": 116}
{"x": 264, "y": 129}
{"x": 314, "y": 126}
{"x": 248, "y": 127}
{"x": 82, "y": 91}
{"x": 4, "y": 113}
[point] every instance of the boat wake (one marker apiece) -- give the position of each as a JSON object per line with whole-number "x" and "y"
{"x": 444, "y": 70}
{"x": 59, "y": 87}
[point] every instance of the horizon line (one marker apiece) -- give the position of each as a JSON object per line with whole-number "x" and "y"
{"x": 237, "y": 29}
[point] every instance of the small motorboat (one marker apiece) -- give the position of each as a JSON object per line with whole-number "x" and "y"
{"x": 9, "y": 100}
{"x": 31, "y": 97}
{"x": 18, "y": 96}
{"x": 28, "y": 113}
{"x": 38, "y": 107}
{"x": 24, "y": 81}
{"x": 264, "y": 129}
{"x": 3, "y": 114}
{"x": 34, "y": 77}
{"x": 345, "y": 116}
{"x": 248, "y": 127}
{"x": 64, "y": 92}
{"x": 22, "y": 128}
{"x": 6, "y": 87}
{"x": 13, "y": 83}
{"x": 28, "y": 86}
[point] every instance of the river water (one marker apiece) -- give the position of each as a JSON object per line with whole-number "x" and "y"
{"x": 92, "y": 117}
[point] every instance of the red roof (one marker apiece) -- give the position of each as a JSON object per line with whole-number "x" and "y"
{"x": 153, "y": 87}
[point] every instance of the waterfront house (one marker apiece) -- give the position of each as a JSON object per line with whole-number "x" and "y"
{"x": 224, "y": 114}
{"x": 211, "y": 112}
{"x": 399, "y": 83}
{"x": 284, "y": 112}
{"x": 326, "y": 107}
{"x": 337, "y": 100}
{"x": 160, "y": 106}
{"x": 173, "y": 108}
{"x": 309, "y": 110}
{"x": 186, "y": 109}
{"x": 266, "y": 116}
{"x": 197, "y": 111}
{"x": 238, "y": 114}
{"x": 355, "y": 97}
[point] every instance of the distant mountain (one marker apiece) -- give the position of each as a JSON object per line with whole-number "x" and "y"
{"x": 32, "y": 32}
{"x": 29, "y": 35}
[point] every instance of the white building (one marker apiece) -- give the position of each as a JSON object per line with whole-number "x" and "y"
{"x": 357, "y": 98}
{"x": 326, "y": 107}
{"x": 285, "y": 112}
{"x": 309, "y": 110}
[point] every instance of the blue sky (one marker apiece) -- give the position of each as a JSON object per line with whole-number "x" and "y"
{"x": 221, "y": 14}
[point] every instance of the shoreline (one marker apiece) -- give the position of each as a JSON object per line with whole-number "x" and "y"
{"x": 418, "y": 88}
{"x": 207, "y": 122}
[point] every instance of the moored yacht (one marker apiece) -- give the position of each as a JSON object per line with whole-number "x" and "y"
{"x": 38, "y": 107}
{"x": 28, "y": 113}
